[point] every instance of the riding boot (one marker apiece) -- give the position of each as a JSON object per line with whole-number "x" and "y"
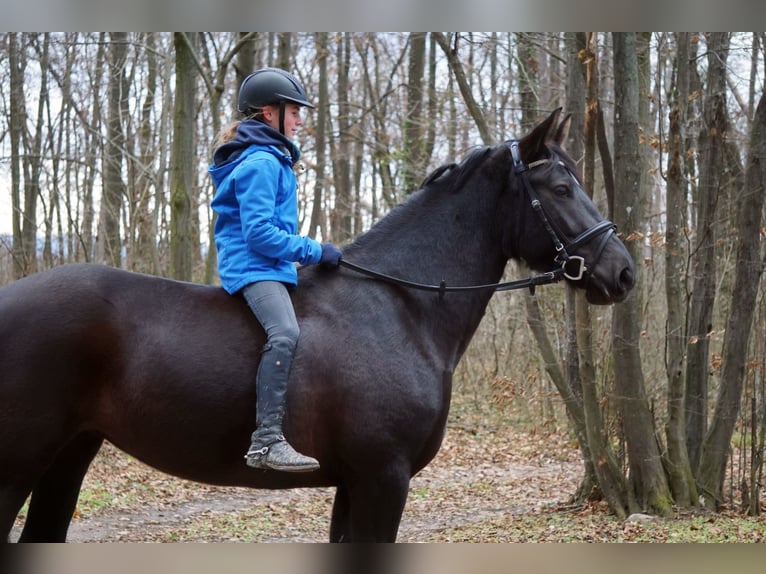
{"x": 269, "y": 449}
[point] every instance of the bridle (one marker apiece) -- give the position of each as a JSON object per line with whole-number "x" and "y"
{"x": 571, "y": 267}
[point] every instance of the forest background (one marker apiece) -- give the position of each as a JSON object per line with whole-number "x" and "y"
{"x": 105, "y": 139}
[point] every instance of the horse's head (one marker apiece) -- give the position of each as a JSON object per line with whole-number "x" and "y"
{"x": 562, "y": 228}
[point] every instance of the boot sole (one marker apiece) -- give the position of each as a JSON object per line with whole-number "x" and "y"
{"x": 264, "y": 465}
{"x": 311, "y": 468}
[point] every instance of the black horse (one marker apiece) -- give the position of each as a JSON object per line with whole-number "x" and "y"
{"x": 165, "y": 369}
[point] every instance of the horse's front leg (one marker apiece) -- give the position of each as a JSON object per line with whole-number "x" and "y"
{"x": 340, "y": 524}
{"x": 375, "y": 505}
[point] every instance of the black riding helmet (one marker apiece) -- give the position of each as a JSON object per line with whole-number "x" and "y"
{"x": 271, "y": 86}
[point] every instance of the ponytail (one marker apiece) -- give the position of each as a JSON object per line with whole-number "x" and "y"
{"x": 226, "y": 134}
{"x": 229, "y": 132}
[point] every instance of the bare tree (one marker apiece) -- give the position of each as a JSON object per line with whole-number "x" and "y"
{"x": 181, "y": 166}
{"x": 749, "y": 267}
{"x": 213, "y": 74}
{"x": 680, "y": 475}
{"x": 703, "y": 263}
{"x": 322, "y": 104}
{"x": 413, "y": 151}
{"x": 341, "y": 219}
{"x": 647, "y": 478}
{"x": 23, "y": 215}
{"x": 144, "y": 256}
{"x": 579, "y": 358}
{"x": 93, "y": 153}
{"x": 602, "y": 468}
{"x": 109, "y": 242}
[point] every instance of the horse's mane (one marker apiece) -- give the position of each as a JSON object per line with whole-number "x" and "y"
{"x": 456, "y": 172}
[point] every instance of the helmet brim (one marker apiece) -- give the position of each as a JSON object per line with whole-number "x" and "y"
{"x": 286, "y": 98}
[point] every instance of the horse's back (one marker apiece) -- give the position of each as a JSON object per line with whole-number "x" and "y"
{"x": 45, "y": 317}
{"x": 89, "y": 347}
{"x": 79, "y": 314}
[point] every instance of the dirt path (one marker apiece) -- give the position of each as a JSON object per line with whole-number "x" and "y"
{"x": 473, "y": 480}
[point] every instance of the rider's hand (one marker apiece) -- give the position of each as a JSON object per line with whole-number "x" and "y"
{"x": 331, "y": 255}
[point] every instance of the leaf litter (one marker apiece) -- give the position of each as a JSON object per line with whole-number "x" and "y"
{"x": 496, "y": 485}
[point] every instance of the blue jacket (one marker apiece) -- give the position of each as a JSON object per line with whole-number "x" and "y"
{"x": 256, "y": 232}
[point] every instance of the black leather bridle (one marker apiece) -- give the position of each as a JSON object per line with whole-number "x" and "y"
{"x": 573, "y": 266}
{"x": 570, "y": 266}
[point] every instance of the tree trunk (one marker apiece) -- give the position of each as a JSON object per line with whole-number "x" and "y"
{"x": 17, "y": 120}
{"x": 680, "y": 475}
{"x": 572, "y": 402}
{"x": 341, "y": 218}
{"x": 93, "y": 152}
{"x": 46, "y": 141}
{"x": 243, "y": 56}
{"x": 109, "y": 242}
{"x": 647, "y": 477}
{"x": 578, "y": 319}
{"x": 580, "y": 365}
{"x": 181, "y": 159}
{"x": 581, "y": 87}
{"x": 747, "y": 273}
{"x": 145, "y": 257}
{"x": 703, "y": 256}
{"x": 434, "y": 102}
{"x": 285, "y": 50}
{"x": 412, "y": 167}
{"x": 528, "y": 81}
{"x": 322, "y": 104}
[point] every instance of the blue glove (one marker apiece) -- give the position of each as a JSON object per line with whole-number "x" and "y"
{"x": 331, "y": 255}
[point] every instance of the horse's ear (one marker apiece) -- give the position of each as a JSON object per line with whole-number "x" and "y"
{"x": 562, "y": 131}
{"x": 532, "y": 145}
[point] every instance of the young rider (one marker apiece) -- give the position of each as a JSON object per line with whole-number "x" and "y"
{"x": 258, "y": 243}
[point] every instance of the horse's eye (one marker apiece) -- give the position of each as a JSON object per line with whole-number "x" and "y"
{"x": 561, "y": 190}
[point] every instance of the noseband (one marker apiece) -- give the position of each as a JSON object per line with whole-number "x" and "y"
{"x": 572, "y": 266}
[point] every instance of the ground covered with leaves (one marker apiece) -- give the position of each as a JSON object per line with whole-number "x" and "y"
{"x": 490, "y": 482}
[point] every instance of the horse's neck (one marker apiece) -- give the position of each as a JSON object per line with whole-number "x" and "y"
{"x": 433, "y": 239}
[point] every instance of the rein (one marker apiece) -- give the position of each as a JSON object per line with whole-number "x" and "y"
{"x": 530, "y": 282}
{"x": 563, "y": 258}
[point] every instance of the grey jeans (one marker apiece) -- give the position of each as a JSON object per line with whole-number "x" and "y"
{"x": 271, "y": 304}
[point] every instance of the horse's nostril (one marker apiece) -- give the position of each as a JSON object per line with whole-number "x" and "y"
{"x": 627, "y": 279}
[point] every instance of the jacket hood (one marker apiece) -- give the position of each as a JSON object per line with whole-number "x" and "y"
{"x": 253, "y": 132}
